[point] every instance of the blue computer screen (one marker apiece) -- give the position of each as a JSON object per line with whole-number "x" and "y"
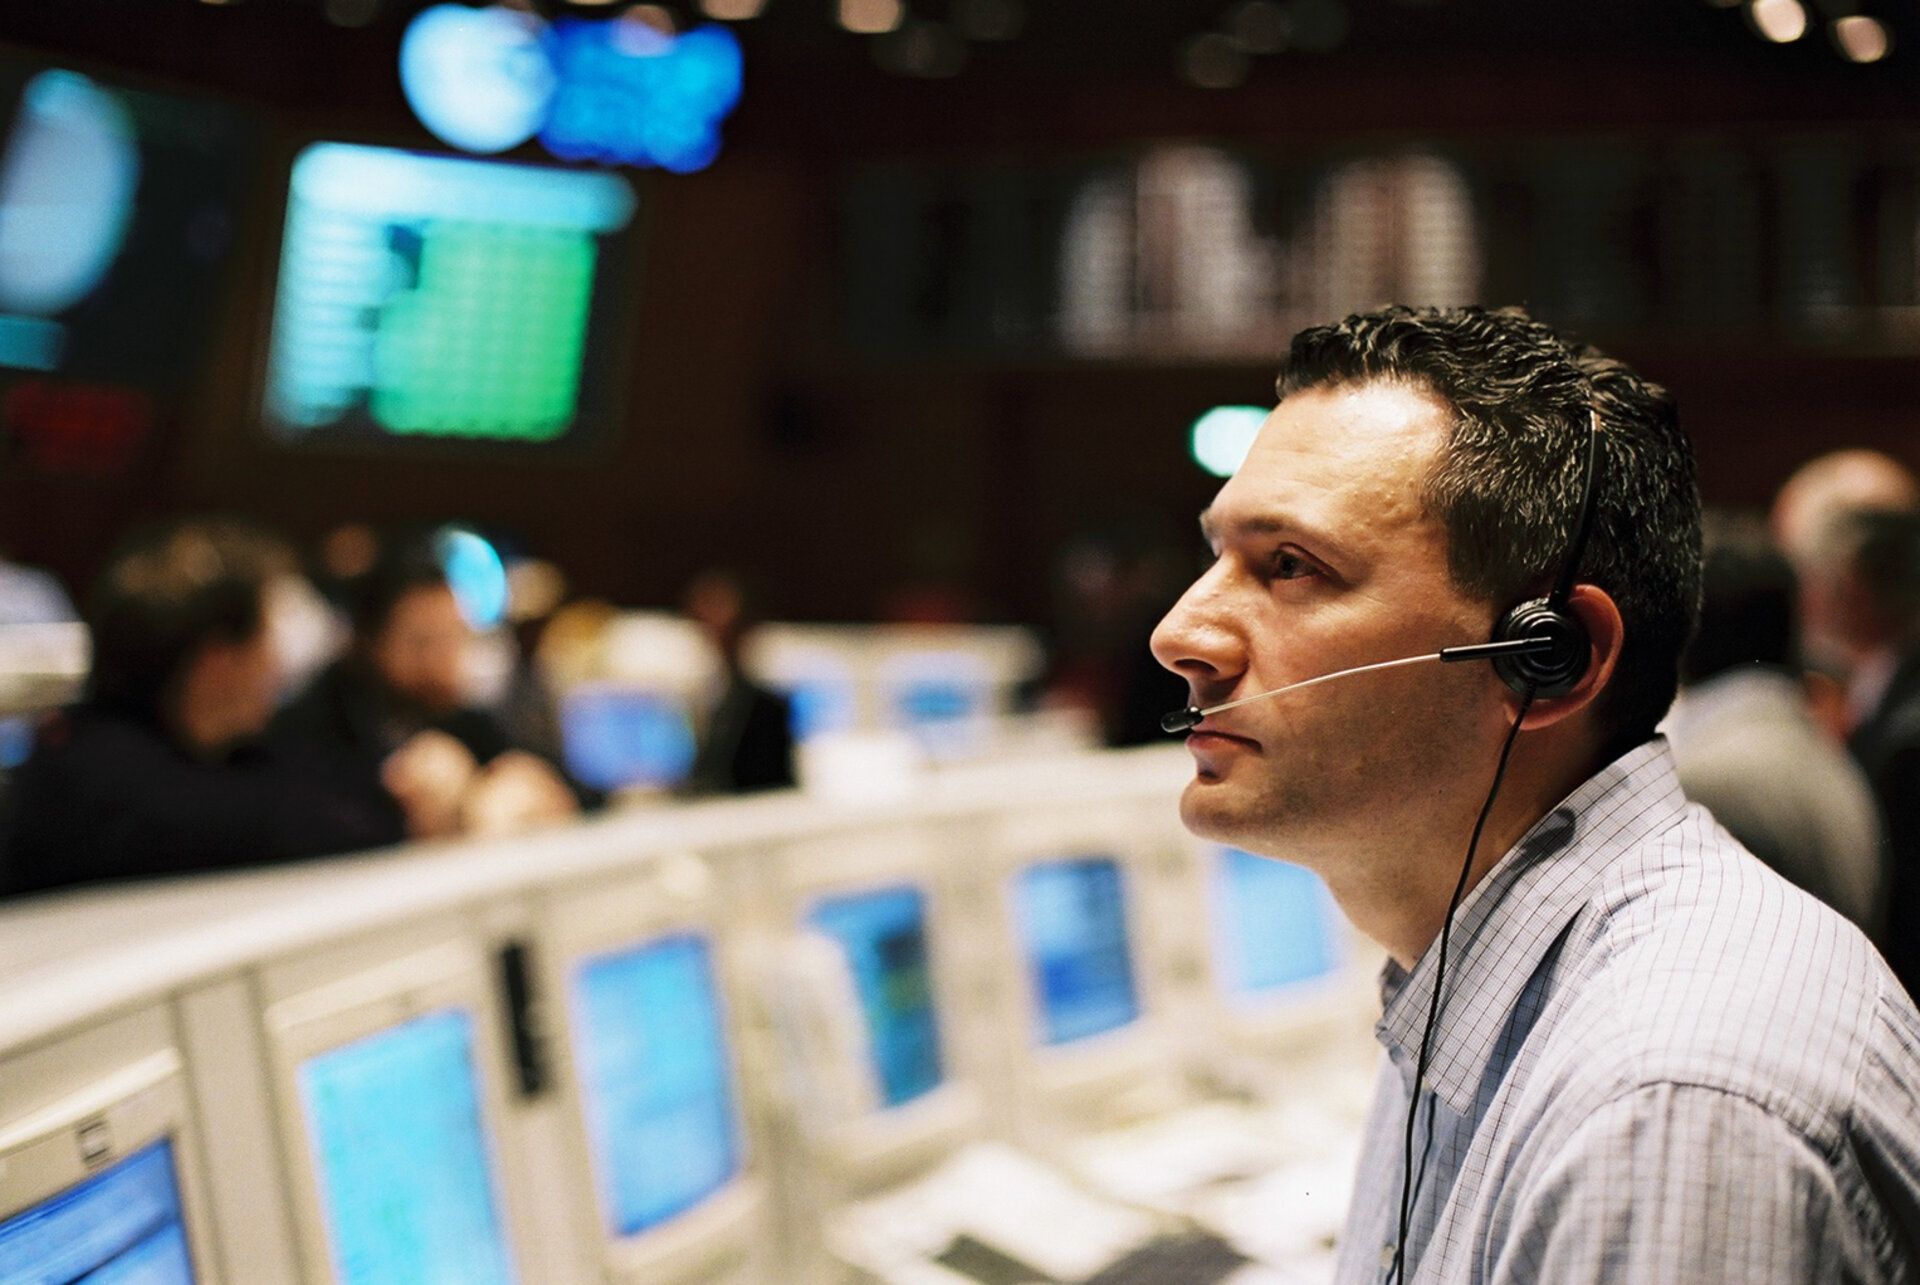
{"x": 939, "y": 696}
{"x": 615, "y": 737}
{"x": 884, "y": 935}
{"x": 1274, "y": 923}
{"x": 822, "y": 698}
{"x": 655, "y": 1078}
{"x": 406, "y": 1181}
{"x": 1073, "y": 926}
{"x": 122, "y": 1226}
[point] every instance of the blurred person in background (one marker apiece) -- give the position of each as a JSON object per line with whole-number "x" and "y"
{"x": 1877, "y": 606}
{"x": 397, "y": 702}
{"x": 746, "y": 740}
{"x": 1804, "y": 519}
{"x": 1744, "y": 738}
{"x": 159, "y": 769}
{"x": 1110, "y": 588}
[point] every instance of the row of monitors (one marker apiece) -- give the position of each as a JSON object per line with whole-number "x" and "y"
{"x": 615, "y": 735}
{"x": 397, "y": 1125}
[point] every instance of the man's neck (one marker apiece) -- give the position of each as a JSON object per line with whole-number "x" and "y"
{"x": 1403, "y": 904}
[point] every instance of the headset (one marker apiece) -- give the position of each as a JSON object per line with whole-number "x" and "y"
{"x": 1540, "y": 649}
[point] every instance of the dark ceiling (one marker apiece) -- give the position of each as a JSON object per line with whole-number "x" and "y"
{"x": 289, "y": 53}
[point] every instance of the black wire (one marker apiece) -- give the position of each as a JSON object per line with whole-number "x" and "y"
{"x": 1407, "y": 1184}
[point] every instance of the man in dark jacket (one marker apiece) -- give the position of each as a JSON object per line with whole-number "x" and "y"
{"x": 159, "y": 770}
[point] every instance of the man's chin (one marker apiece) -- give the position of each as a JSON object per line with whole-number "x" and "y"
{"x": 1211, "y": 810}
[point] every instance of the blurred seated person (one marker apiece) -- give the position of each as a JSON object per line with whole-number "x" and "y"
{"x": 1745, "y": 738}
{"x": 746, "y": 740}
{"x": 159, "y": 769}
{"x": 1809, "y": 521}
{"x": 396, "y": 701}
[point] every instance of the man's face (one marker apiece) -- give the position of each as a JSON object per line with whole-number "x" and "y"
{"x": 1326, "y": 559}
{"x": 421, "y": 652}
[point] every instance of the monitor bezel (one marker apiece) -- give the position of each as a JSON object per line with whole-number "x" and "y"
{"x": 142, "y": 1100}
{"x": 336, "y": 1006}
{"x": 1292, "y": 1019}
{"x": 1118, "y": 1075}
{"x": 890, "y": 1142}
{"x": 670, "y": 896}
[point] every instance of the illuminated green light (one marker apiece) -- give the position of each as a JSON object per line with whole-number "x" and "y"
{"x": 1222, "y": 437}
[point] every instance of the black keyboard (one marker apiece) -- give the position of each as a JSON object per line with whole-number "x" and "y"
{"x": 1195, "y": 1258}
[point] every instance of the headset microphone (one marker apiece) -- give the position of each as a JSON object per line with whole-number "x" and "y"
{"x": 1532, "y": 645}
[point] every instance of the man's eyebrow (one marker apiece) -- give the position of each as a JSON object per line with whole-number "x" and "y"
{"x": 1264, "y": 524}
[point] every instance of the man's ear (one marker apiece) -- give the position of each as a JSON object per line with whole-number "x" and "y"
{"x": 1596, "y": 610}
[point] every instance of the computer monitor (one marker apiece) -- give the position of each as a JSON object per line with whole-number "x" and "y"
{"x": 942, "y": 696}
{"x": 1275, "y": 927}
{"x": 662, "y": 1184}
{"x": 655, "y": 1077}
{"x": 122, "y": 1224}
{"x": 389, "y": 1055}
{"x": 616, "y": 736}
{"x": 97, "y": 1156}
{"x": 434, "y": 300}
{"x": 405, "y": 1175}
{"x": 883, "y": 933}
{"x": 1080, "y": 888}
{"x": 1072, "y": 924}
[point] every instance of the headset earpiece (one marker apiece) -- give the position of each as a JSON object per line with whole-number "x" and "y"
{"x": 1553, "y": 672}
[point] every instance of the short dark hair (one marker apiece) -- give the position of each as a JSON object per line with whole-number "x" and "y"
{"x": 1507, "y": 484}
{"x": 1748, "y": 597}
{"x": 406, "y": 561}
{"x": 169, "y": 590}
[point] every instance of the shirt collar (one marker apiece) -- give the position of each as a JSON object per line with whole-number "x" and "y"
{"x": 1509, "y": 922}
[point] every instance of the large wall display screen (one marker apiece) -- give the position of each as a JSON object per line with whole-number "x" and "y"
{"x": 433, "y": 299}
{"x": 118, "y": 210}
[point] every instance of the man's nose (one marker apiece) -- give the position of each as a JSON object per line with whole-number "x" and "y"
{"x": 1197, "y": 638}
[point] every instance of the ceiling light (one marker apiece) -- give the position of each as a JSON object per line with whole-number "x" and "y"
{"x": 1781, "y": 21}
{"x": 1861, "y": 39}
{"x": 871, "y": 17}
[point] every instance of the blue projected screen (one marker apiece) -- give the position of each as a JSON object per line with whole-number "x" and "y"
{"x": 884, "y": 935}
{"x": 1073, "y": 926}
{"x": 434, "y": 298}
{"x": 122, "y": 1226}
{"x": 655, "y": 1079}
{"x": 614, "y": 737}
{"x": 1274, "y": 924}
{"x": 406, "y": 1181}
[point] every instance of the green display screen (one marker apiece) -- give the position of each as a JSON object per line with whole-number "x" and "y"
{"x": 436, "y": 298}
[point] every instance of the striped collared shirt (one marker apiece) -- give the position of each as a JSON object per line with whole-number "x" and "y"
{"x": 1657, "y": 1061}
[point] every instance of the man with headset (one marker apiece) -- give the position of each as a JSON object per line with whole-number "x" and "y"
{"x": 1619, "y": 1048}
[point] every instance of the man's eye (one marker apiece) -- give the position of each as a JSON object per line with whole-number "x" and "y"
{"x": 1291, "y": 566}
